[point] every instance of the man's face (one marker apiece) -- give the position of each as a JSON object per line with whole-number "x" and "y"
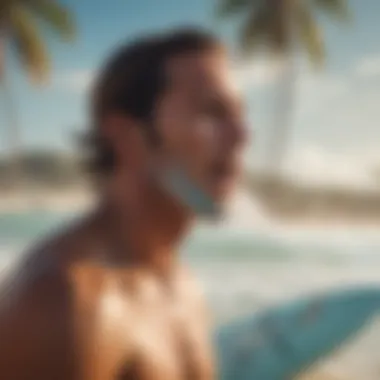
{"x": 199, "y": 119}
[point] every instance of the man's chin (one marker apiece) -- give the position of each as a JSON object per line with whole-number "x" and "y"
{"x": 215, "y": 210}
{"x": 219, "y": 205}
{"x": 224, "y": 190}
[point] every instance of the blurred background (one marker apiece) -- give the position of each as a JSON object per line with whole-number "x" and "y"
{"x": 307, "y": 215}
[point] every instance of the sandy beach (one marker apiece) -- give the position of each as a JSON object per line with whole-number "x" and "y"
{"x": 71, "y": 200}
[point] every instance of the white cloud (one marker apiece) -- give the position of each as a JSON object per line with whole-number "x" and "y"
{"x": 321, "y": 85}
{"x": 334, "y": 123}
{"x": 368, "y": 67}
{"x": 313, "y": 88}
{"x": 316, "y": 92}
{"x": 261, "y": 72}
{"x": 257, "y": 73}
{"x": 77, "y": 81}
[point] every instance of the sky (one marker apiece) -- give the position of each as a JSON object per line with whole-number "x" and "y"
{"x": 335, "y": 120}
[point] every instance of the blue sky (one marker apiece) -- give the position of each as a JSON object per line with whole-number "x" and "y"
{"x": 336, "y": 123}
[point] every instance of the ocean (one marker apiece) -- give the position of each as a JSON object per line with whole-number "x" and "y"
{"x": 245, "y": 268}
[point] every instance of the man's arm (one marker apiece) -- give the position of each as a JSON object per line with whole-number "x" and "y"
{"x": 36, "y": 332}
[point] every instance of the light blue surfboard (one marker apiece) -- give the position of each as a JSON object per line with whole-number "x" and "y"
{"x": 282, "y": 342}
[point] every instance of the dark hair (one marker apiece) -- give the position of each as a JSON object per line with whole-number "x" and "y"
{"x": 131, "y": 82}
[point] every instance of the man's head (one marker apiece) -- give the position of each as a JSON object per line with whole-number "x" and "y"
{"x": 165, "y": 111}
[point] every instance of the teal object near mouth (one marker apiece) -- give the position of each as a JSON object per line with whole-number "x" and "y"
{"x": 178, "y": 183}
{"x": 282, "y": 342}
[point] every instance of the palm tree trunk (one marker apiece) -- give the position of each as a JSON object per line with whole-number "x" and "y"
{"x": 281, "y": 132}
{"x": 284, "y": 102}
{"x": 13, "y": 131}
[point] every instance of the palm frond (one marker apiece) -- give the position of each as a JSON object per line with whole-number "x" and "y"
{"x": 338, "y": 9}
{"x": 55, "y": 15}
{"x": 29, "y": 44}
{"x": 254, "y": 32}
{"x": 310, "y": 35}
{"x": 227, "y": 8}
{"x": 4, "y": 9}
{"x": 265, "y": 28}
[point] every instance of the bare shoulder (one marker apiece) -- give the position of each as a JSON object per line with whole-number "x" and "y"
{"x": 32, "y": 299}
{"x": 38, "y": 288}
{"x": 44, "y": 275}
{"x": 34, "y": 324}
{"x": 36, "y": 313}
{"x": 36, "y": 278}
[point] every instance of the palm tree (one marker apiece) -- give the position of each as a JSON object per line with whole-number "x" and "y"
{"x": 283, "y": 28}
{"x": 23, "y": 24}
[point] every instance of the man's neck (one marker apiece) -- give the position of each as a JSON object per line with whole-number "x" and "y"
{"x": 144, "y": 225}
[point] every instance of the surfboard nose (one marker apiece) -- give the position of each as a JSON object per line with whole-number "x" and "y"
{"x": 283, "y": 341}
{"x": 330, "y": 319}
{"x": 339, "y": 309}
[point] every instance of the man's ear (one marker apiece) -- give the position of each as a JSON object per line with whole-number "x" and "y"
{"x": 125, "y": 135}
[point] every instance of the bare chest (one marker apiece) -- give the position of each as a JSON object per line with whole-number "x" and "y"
{"x": 148, "y": 337}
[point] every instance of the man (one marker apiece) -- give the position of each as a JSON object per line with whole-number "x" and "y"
{"x": 107, "y": 299}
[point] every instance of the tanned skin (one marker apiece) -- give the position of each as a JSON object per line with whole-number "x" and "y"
{"x": 107, "y": 299}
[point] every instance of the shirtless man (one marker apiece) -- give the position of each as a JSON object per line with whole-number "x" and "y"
{"x": 106, "y": 299}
